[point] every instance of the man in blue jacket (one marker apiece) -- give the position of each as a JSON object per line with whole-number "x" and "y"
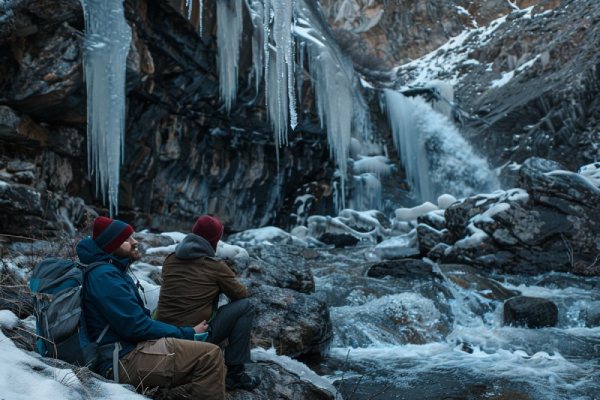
{"x": 147, "y": 353}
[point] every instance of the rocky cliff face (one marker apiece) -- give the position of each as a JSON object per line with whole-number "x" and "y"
{"x": 185, "y": 155}
{"x": 527, "y": 79}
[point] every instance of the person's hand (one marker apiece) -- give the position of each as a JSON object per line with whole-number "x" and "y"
{"x": 201, "y": 327}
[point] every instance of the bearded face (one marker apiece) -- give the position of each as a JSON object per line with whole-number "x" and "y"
{"x": 129, "y": 249}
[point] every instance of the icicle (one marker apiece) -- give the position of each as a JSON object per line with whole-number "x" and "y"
{"x": 200, "y": 16}
{"x": 283, "y": 93}
{"x": 266, "y": 47}
{"x": 278, "y": 105}
{"x": 301, "y": 50}
{"x": 229, "y": 34}
{"x": 106, "y": 45}
{"x": 188, "y": 6}
{"x": 256, "y": 10}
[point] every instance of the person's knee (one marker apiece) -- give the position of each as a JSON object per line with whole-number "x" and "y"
{"x": 245, "y": 306}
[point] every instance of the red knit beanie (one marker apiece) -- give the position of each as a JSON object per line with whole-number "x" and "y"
{"x": 109, "y": 234}
{"x": 209, "y": 228}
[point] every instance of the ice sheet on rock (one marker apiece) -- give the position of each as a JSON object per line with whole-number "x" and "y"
{"x": 397, "y": 247}
{"x": 296, "y": 367}
{"x": 231, "y": 251}
{"x": 266, "y": 235}
{"x": 591, "y": 172}
{"x": 361, "y": 224}
{"x": 445, "y": 200}
{"x": 176, "y": 236}
{"x": 366, "y": 192}
{"x": 106, "y": 45}
{"x": 411, "y": 214}
{"x": 143, "y": 273}
{"x": 379, "y": 165}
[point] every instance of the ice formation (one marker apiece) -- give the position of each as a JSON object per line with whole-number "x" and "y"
{"x": 436, "y": 157}
{"x": 290, "y": 32}
{"x": 229, "y": 34}
{"x": 107, "y": 41}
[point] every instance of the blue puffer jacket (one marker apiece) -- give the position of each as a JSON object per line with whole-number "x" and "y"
{"x": 111, "y": 297}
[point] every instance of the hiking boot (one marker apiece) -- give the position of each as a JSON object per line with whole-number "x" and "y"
{"x": 237, "y": 378}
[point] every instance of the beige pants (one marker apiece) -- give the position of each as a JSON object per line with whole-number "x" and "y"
{"x": 170, "y": 362}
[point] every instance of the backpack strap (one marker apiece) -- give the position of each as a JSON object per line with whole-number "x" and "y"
{"x": 102, "y": 334}
{"x": 117, "y": 345}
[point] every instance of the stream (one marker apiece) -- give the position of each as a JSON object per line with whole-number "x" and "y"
{"x": 440, "y": 335}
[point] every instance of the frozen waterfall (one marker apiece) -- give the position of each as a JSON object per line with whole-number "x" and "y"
{"x": 436, "y": 158}
{"x": 106, "y": 45}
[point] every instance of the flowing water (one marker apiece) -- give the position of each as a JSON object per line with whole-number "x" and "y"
{"x": 440, "y": 335}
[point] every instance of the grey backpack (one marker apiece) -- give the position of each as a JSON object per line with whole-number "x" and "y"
{"x": 56, "y": 285}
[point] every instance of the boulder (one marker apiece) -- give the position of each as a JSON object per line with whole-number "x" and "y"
{"x": 339, "y": 240}
{"x": 591, "y": 314}
{"x": 293, "y": 323}
{"x": 282, "y": 266}
{"x": 530, "y": 312}
{"x": 276, "y": 383}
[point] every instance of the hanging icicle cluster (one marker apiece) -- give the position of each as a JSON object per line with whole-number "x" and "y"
{"x": 284, "y": 31}
{"x": 290, "y": 31}
{"x": 106, "y": 45}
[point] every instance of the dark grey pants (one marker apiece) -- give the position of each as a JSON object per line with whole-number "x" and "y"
{"x": 233, "y": 322}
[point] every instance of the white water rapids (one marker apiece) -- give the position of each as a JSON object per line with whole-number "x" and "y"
{"x": 413, "y": 338}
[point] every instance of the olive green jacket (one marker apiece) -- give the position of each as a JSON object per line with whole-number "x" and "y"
{"x": 192, "y": 281}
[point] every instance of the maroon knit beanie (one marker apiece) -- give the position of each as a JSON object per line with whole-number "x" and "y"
{"x": 109, "y": 234}
{"x": 209, "y": 228}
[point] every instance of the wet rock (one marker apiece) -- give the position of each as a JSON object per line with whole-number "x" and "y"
{"x": 293, "y": 323}
{"x": 276, "y": 383}
{"x": 434, "y": 219}
{"x": 339, "y": 240}
{"x": 20, "y": 166}
{"x": 592, "y": 314}
{"x": 282, "y": 265}
{"x": 438, "y": 251}
{"x": 468, "y": 278}
{"x": 19, "y": 204}
{"x": 429, "y": 237}
{"x": 285, "y": 275}
{"x": 530, "y": 312}
{"x": 408, "y": 268}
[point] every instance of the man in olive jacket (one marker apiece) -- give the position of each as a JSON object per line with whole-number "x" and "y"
{"x": 192, "y": 281}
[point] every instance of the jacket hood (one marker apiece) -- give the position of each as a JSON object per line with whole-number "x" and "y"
{"x": 89, "y": 252}
{"x": 192, "y": 247}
